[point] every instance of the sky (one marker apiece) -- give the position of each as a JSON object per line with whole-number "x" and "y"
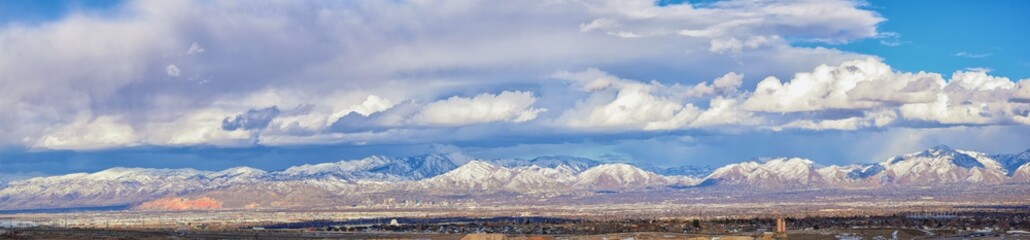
{"x": 89, "y": 85}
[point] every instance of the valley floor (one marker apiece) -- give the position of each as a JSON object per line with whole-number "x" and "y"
{"x": 886, "y": 233}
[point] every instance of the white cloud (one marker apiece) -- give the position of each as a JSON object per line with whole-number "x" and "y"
{"x": 724, "y": 111}
{"x": 90, "y": 133}
{"x": 632, "y": 105}
{"x": 203, "y": 126}
{"x": 869, "y": 120}
{"x": 1022, "y": 91}
{"x": 973, "y": 55}
{"x": 598, "y": 24}
{"x": 372, "y": 104}
{"x": 859, "y": 84}
{"x": 195, "y": 49}
{"x": 723, "y": 85}
{"x": 319, "y": 62}
{"x": 734, "y": 45}
{"x": 172, "y": 70}
{"x": 483, "y": 108}
{"x": 871, "y": 86}
{"x": 978, "y": 69}
{"x": 854, "y": 95}
{"x": 890, "y": 39}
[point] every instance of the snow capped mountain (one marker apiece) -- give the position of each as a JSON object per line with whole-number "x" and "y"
{"x": 565, "y": 163}
{"x": 941, "y": 165}
{"x": 840, "y": 175}
{"x": 866, "y": 171}
{"x": 424, "y": 166}
{"x": 486, "y": 177}
{"x": 473, "y": 176}
{"x": 243, "y": 171}
{"x": 341, "y": 169}
{"x": 119, "y": 186}
{"x": 1012, "y": 162}
{"x": 457, "y": 175}
{"x": 618, "y": 176}
{"x": 1021, "y": 174}
{"x": 774, "y": 173}
{"x": 537, "y": 179}
{"x": 376, "y": 168}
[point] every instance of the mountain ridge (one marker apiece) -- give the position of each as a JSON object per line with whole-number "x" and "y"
{"x": 443, "y": 174}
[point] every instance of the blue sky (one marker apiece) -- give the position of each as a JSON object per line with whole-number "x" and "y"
{"x": 216, "y": 84}
{"x": 37, "y": 12}
{"x": 952, "y": 35}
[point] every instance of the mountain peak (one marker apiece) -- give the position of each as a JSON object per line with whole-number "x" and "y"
{"x": 473, "y": 169}
{"x": 937, "y": 151}
{"x": 617, "y": 175}
{"x": 616, "y": 167}
{"x": 942, "y": 147}
{"x": 944, "y": 152}
{"x": 243, "y": 170}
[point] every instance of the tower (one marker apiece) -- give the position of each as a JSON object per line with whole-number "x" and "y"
{"x": 781, "y": 228}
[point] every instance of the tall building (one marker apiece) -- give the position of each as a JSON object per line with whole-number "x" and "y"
{"x": 781, "y": 228}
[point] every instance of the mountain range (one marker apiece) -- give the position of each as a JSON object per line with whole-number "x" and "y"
{"x": 455, "y": 176}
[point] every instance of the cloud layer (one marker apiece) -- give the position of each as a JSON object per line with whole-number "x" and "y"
{"x": 283, "y": 73}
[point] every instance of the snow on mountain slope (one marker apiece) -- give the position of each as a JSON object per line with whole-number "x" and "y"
{"x": 120, "y": 185}
{"x": 450, "y": 175}
{"x": 424, "y": 166}
{"x": 473, "y": 176}
{"x": 348, "y": 171}
{"x": 486, "y": 177}
{"x": 774, "y": 173}
{"x": 839, "y": 175}
{"x": 618, "y": 176}
{"x": 565, "y": 163}
{"x": 376, "y": 168}
{"x": 941, "y": 165}
{"x": 1012, "y": 162}
{"x": 985, "y": 160}
{"x": 1021, "y": 174}
{"x": 537, "y": 179}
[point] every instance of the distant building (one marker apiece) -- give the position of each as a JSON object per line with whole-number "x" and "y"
{"x": 781, "y": 228}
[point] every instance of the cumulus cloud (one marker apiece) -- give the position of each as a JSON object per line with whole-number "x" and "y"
{"x": 87, "y": 134}
{"x": 626, "y": 104}
{"x": 252, "y": 119}
{"x": 1022, "y": 91}
{"x": 853, "y": 85}
{"x": 854, "y": 95}
{"x": 483, "y": 108}
{"x": 632, "y": 107}
{"x": 874, "y": 88}
{"x": 723, "y": 85}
